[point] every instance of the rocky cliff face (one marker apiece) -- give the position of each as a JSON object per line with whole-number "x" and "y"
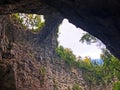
{"x": 28, "y": 62}
{"x": 99, "y": 18}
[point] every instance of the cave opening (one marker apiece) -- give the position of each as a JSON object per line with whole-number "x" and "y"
{"x": 69, "y": 37}
{"x": 31, "y": 22}
{"x": 100, "y": 18}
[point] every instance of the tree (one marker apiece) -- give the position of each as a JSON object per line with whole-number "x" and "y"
{"x": 66, "y": 54}
{"x": 111, "y": 67}
{"x": 31, "y": 21}
{"x": 93, "y": 73}
{"x": 116, "y": 86}
{"x": 87, "y": 60}
{"x": 88, "y": 38}
{"x": 109, "y": 72}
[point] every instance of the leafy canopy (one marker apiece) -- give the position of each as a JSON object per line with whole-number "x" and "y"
{"x": 93, "y": 72}
{"x": 33, "y": 22}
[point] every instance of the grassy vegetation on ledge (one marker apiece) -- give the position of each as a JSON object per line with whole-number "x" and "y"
{"x": 93, "y": 72}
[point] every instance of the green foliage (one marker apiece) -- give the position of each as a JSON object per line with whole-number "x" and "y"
{"x": 88, "y": 38}
{"x": 116, "y": 86}
{"x": 31, "y": 21}
{"x": 111, "y": 67}
{"x": 66, "y": 54}
{"x": 76, "y": 87}
{"x": 17, "y": 16}
{"x": 93, "y": 73}
{"x": 109, "y": 72}
{"x": 42, "y": 75}
{"x": 42, "y": 70}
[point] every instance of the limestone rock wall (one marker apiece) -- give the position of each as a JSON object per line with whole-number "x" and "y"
{"x": 99, "y": 18}
{"x": 28, "y": 61}
{"x": 32, "y": 63}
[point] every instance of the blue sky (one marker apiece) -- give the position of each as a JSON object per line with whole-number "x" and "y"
{"x": 69, "y": 37}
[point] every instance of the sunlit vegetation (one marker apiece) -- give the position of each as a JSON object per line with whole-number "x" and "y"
{"x": 67, "y": 55}
{"x": 111, "y": 65}
{"x": 93, "y": 72}
{"x": 33, "y": 22}
{"x": 116, "y": 86}
{"x": 42, "y": 72}
{"x": 76, "y": 87}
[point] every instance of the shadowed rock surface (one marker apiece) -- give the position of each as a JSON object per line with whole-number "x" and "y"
{"x": 100, "y": 18}
{"x": 28, "y": 61}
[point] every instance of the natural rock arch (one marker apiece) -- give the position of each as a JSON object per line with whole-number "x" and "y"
{"x": 28, "y": 61}
{"x": 30, "y": 51}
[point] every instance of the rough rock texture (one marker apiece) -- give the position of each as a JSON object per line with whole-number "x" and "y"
{"x": 28, "y": 62}
{"x": 101, "y": 18}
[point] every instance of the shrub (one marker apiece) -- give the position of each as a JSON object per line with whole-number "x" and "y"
{"x": 116, "y": 86}
{"x": 76, "y": 87}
